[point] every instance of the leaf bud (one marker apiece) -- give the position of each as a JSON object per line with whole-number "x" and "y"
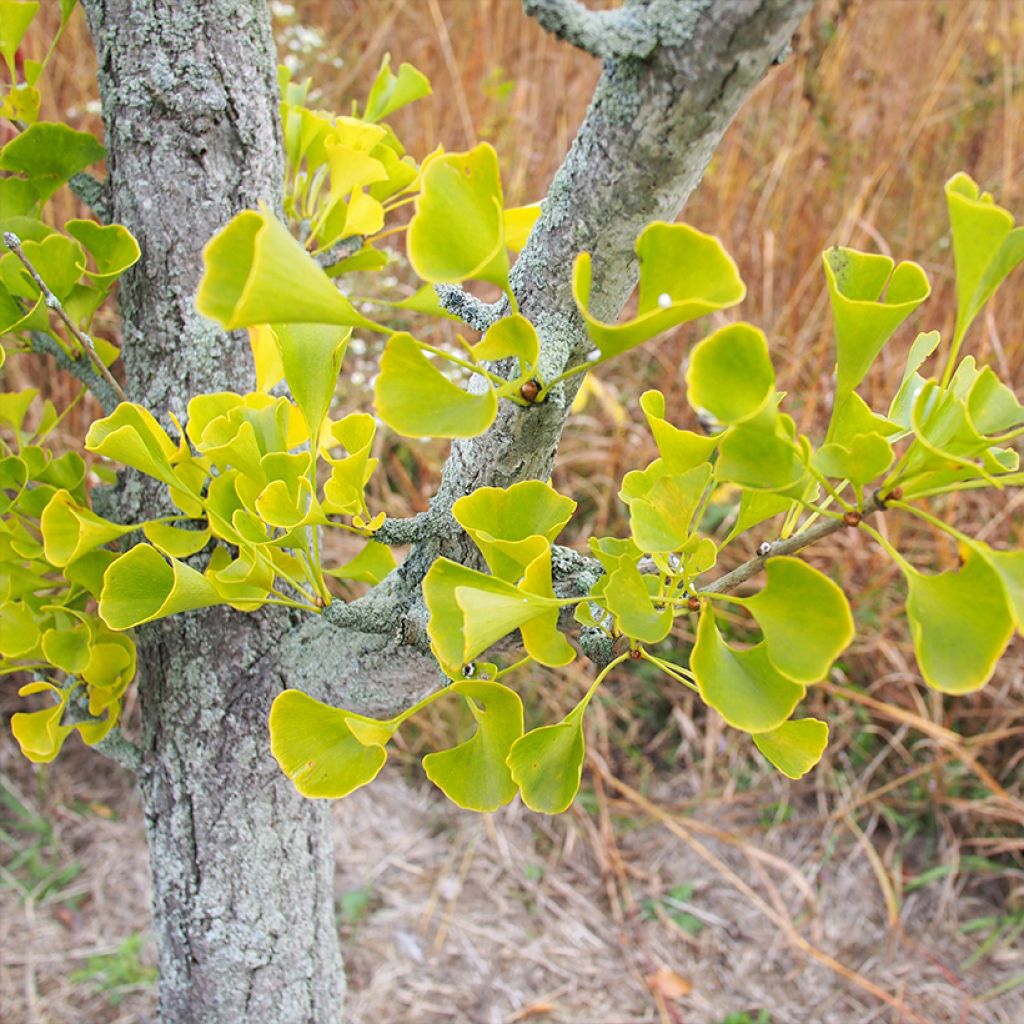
{"x": 530, "y": 390}
{"x": 693, "y": 603}
{"x": 852, "y": 518}
{"x": 764, "y": 549}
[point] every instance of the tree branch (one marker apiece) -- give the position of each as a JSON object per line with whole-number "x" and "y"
{"x": 470, "y": 310}
{"x": 608, "y": 35}
{"x": 93, "y": 193}
{"x": 13, "y": 242}
{"x": 43, "y": 344}
{"x": 114, "y": 745}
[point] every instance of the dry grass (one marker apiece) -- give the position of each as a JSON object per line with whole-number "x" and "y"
{"x": 493, "y": 919}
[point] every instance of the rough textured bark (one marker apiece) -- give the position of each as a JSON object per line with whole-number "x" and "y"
{"x": 242, "y": 865}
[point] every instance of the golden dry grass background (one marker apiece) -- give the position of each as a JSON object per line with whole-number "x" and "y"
{"x": 848, "y": 142}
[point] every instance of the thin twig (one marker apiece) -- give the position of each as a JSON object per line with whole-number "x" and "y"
{"x": 13, "y": 242}
{"x": 788, "y": 546}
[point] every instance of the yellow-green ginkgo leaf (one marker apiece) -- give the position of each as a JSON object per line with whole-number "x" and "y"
{"x": 1010, "y": 567}
{"x": 325, "y": 751}
{"x": 526, "y": 509}
{"x": 662, "y": 504}
{"x": 627, "y": 595}
{"x": 860, "y": 460}
{"x": 131, "y": 435}
{"x": 70, "y": 530}
{"x": 759, "y": 458}
{"x": 15, "y": 19}
{"x": 311, "y": 355}
{"x": 474, "y": 774}
{"x": 266, "y": 356}
{"x": 731, "y": 374}
{"x": 870, "y": 299}
{"x": 391, "y": 92}
{"x": 141, "y": 586}
{"x": 986, "y": 246}
{"x": 744, "y": 687}
{"x": 684, "y": 274}
{"x": 112, "y": 246}
{"x": 794, "y": 747}
{"x": 19, "y": 631}
{"x": 510, "y": 336}
{"x": 371, "y": 565}
{"x": 961, "y": 622}
{"x": 257, "y": 273}
{"x": 519, "y": 222}
{"x": 174, "y": 540}
{"x": 470, "y": 611}
{"x": 458, "y": 233}
{"x": 542, "y": 638}
{"x": 344, "y": 491}
{"x": 547, "y": 764}
{"x": 680, "y": 449}
{"x": 67, "y": 648}
{"x": 49, "y": 154}
{"x": 414, "y": 398}
{"x": 40, "y": 734}
{"x": 804, "y": 616}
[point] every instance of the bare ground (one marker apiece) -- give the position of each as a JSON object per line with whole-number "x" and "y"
{"x": 605, "y": 915}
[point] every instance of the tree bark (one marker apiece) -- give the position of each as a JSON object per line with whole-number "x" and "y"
{"x": 242, "y": 865}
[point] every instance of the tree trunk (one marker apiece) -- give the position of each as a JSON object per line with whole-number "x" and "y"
{"x": 242, "y": 865}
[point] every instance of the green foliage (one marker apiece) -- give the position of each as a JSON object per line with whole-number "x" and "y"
{"x": 119, "y": 973}
{"x": 257, "y": 478}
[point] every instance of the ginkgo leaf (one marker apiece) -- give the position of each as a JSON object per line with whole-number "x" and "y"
{"x": 684, "y": 274}
{"x": 414, "y": 398}
{"x": 986, "y": 246}
{"x": 70, "y": 530}
{"x": 256, "y": 272}
{"x": 731, "y": 374}
{"x": 795, "y": 747}
{"x": 325, "y": 751}
{"x": 547, "y": 764}
{"x": 870, "y": 298}
{"x": 627, "y": 597}
{"x": 662, "y": 504}
{"x": 804, "y": 616}
{"x": 961, "y": 622}
{"x": 519, "y": 223}
{"x": 141, "y": 586}
{"x": 131, "y": 435}
{"x": 391, "y": 92}
{"x": 510, "y": 336}
{"x": 744, "y": 687}
{"x": 680, "y": 449}
{"x": 474, "y": 774}
{"x": 311, "y": 357}
{"x": 457, "y": 233}
{"x": 50, "y": 154}
{"x": 112, "y": 247}
{"x": 496, "y": 516}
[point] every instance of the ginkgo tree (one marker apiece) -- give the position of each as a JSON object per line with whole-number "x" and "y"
{"x": 225, "y": 494}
